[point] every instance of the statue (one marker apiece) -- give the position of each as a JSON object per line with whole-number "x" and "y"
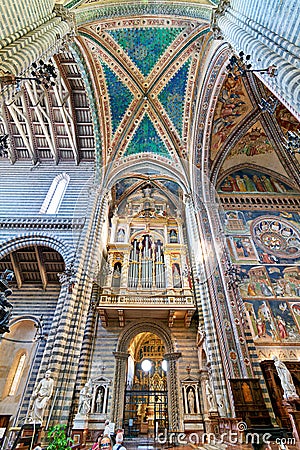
{"x": 191, "y": 401}
{"x": 85, "y": 398}
{"x": 220, "y": 404}
{"x": 99, "y": 400}
{"x": 210, "y": 397}
{"x": 41, "y": 396}
{"x": 286, "y": 380}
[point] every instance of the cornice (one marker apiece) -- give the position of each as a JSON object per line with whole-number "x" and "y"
{"x": 42, "y": 223}
{"x": 85, "y": 15}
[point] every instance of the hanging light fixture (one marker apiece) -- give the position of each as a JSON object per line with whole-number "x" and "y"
{"x": 4, "y": 145}
{"x": 42, "y": 73}
{"x": 292, "y": 142}
{"x": 240, "y": 65}
{"x": 269, "y": 105}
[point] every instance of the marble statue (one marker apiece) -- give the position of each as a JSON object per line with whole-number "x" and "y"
{"x": 286, "y": 380}
{"x": 210, "y": 397}
{"x": 191, "y": 401}
{"x": 41, "y": 396}
{"x": 221, "y": 406}
{"x": 85, "y": 399}
{"x": 99, "y": 400}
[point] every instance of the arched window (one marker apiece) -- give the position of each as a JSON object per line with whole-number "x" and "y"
{"x": 17, "y": 374}
{"x": 55, "y": 194}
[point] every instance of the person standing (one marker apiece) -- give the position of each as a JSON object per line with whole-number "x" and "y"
{"x": 119, "y": 442}
{"x": 106, "y": 431}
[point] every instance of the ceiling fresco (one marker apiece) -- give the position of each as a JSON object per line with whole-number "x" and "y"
{"x": 245, "y": 135}
{"x": 146, "y": 70}
{"x": 232, "y": 107}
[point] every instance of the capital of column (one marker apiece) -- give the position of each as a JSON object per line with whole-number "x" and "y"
{"x": 172, "y": 356}
{"x": 121, "y": 355}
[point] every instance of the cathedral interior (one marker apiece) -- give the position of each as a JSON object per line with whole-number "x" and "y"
{"x": 150, "y": 217}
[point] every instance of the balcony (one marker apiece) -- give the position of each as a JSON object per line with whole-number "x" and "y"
{"x": 175, "y": 309}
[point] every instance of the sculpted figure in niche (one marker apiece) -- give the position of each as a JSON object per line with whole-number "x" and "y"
{"x": 121, "y": 235}
{"x": 286, "y": 379}
{"x": 191, "y": 401}
{"x": 85, "y": 399}
{"x": 99, "y": 400}
{"x": 41, "y": 396}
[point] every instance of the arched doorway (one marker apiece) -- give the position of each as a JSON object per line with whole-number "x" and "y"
{"x": 149, "y": 385}
{"x": 146, "y": 395}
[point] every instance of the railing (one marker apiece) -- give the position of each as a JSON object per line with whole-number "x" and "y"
{"x": 146, "y": 300}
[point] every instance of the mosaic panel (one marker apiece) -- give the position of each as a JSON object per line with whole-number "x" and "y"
{"x": 145, "y": 45}
{"x": 120, "y": 96}
{"x": 172, "y": 96}
{"x": 146, "y": 140}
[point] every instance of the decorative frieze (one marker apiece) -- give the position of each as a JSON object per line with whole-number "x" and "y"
{"x": 42, "y": 223}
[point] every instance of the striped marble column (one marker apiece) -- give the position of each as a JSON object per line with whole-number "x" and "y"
{"x": 247, "y": 31}
{"x": 205, "y": 311}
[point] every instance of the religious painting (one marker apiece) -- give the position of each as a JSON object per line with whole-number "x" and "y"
{"x": 295, "y": 308}
{"x": 261, "y": 321}
{"x": 173, "y": 236}
{"x": 286, "y": 326}
{"x": 123, "y": 185}
{"x": 254, "y": 142}
{"x": 235, "y": 221}
{"x": 252, "y": 181}
{"x": 176, "y": 276}
{"x": 273, "y": 281}
{"x": 271, "y": 321}
{"x": 232, "y": 106}
{"x": 243, "y": 249}
{"x": 276, "y": 236}
{"x": 256, "y": 282}
{"x": 286, "y": 120}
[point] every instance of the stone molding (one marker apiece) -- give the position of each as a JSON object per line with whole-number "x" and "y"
{"x": 42, "y": 222}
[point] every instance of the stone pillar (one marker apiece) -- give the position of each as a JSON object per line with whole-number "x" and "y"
{"x": 175, "y": 418}
{"x": 117, "y": 409}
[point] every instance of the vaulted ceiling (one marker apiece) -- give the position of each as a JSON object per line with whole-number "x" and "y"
{"x": 128, "y": 88}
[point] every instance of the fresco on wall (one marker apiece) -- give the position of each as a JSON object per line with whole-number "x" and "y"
{"x": 276, "y": 236}
{"x": 285, "y": 119}
{"x": 252, "y": 181}
{"x": 295, "y": 307}
{"x": 269, "y": 281}
{"x": 271, "y": 322}
{"x": 254, "y": 142}
{"x": 242, "y": 249}
{"x": 232, "y": 106}
{"x": 265, "y": 250}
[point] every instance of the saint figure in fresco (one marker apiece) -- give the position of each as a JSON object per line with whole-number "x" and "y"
{"x": 283, "y": 333}
{"x": 258, "y": 184}
{"x": 250, "y": 186}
